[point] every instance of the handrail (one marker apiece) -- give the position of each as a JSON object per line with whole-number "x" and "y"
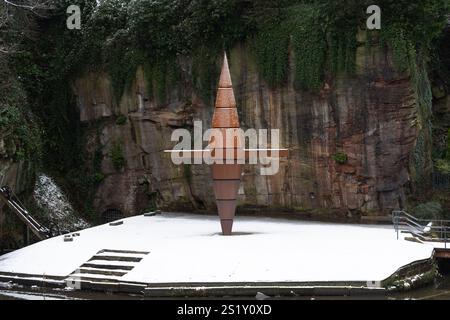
{"x": 17, "y": 207}
{"x": 434, "y": 230}
{"x": 420, "y": 219}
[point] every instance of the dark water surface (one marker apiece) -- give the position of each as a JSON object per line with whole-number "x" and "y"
{"x": 438, "y": 291}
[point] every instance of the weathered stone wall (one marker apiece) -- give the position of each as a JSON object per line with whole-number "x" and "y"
{"x": 369, "y": 116}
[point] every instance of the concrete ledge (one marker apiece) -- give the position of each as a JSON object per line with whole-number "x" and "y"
{"x": 34, "y": 281}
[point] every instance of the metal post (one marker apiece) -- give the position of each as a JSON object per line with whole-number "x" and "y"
{"x": 396, "y": 223}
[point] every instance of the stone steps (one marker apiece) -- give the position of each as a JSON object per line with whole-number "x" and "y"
{"x": 107, "y": 266}
{"x": 116, "y": 258}
{"x": 112, "y": 272}
{"x": 123, "y": 252}
{"x": 94, "y": 277}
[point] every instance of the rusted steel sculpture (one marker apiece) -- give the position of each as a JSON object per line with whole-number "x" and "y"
{"x": 226, "y": 177}
{"x": 227, "y": 151}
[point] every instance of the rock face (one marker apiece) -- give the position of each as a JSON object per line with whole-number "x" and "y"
{"x": 370, "y": 117}
{"x": 17, "y": 175}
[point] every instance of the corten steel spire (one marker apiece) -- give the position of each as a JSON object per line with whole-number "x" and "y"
{"x": 226, "y": 177}
{"x": 229, "y": 149}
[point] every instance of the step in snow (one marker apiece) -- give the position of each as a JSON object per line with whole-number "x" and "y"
{"x": 112, "y": 265}
{"x": 92, "y": 277}
{"x": 116, "y": 258}
{"x": 121, "y": 254}
{"x": 115, "y": 272}
{"x": 125, "y": 251}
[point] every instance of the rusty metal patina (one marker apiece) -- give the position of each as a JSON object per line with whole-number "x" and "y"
{"x": 226, "y": 177}
{"x": 227, "y": 150}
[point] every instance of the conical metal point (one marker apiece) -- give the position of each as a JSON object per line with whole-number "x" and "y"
{"x": 227, "y": 226}
{"x": 225, "y": 77}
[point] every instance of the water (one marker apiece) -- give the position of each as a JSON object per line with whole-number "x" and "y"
{"x": 438, "y": 291}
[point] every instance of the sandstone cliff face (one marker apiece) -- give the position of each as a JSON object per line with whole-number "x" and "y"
{"x": 370, "y": 117}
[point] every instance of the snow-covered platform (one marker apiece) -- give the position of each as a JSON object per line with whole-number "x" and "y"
{"x": 176, "y": 250}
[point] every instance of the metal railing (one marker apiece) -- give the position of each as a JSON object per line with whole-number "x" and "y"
{"x": 18, "y": 208}
{"x": 428, "y": 230}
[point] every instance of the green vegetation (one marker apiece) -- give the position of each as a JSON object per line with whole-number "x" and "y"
{"x": 414, "y": 278}
{"x": 305, "y": 28}
{"x": 152, "y": 34}
{"x": 117, "y": 156}
{"x": 447, "y": 151}
{"x": 342, "y": 50}
{"x": 20, "y": 136}
{"x": 442, "y": 164}
{"x": 272, "y": 50}
{"x": 340, "y": 157}
{"x": 321, "y": 35}
{"x": 121, "y": 120}
{"x": 298, "y": 27}
{"x": 98, "y": 177}
{"x": 428, "y": 210}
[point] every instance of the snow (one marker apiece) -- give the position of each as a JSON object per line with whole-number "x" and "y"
{"x": 189, "y": 248}
{"x": 427, "y": 228}
{"x": 49, "y": 197}
{"x": 124, "y": 254}
{"x": 112, "y": 263}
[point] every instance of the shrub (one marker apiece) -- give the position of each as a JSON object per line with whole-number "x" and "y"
{"x": 121, "y": 120}
{"x": 447, "y": 150}
{"x": 117, "y": 156}
{"x": 300, "y": 26}
{"x": 340, "y": 157}
{"x": 428, "y": 210}
{"x": 98, "y": 177}
{"x": 443, "y": 166}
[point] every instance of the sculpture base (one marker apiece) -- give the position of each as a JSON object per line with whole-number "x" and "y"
{"x": 227, "y": 226}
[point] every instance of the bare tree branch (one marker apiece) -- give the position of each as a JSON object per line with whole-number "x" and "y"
{"x": 34, "y": 6}
{"x": 19, "y": 5}
{"x": 17, "y": 20}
